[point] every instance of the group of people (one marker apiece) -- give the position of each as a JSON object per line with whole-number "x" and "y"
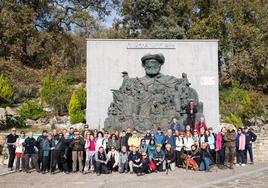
{"x": 126, "y": 151}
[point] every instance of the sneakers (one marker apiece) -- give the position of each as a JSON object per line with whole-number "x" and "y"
{"x": 237, "y": 164}
{"x": 98, "y": 174}
{"x": 243, "y": 165}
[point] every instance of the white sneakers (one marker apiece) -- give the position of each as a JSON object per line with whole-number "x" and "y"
{"x": 240, "y": 164}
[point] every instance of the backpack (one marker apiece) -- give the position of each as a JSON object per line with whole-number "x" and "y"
{"x": 152, "y": 166}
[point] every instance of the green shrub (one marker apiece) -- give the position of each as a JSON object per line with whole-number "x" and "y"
{"x": 75, "y": 109}
{"x": 31, "y": 110}
{"x": 11, "y": 121}
{"x": 6, "y": 91}
{"x": 56, "y": 93}
{"x": 234, "y": 120}
{"x": 239, "y": 104}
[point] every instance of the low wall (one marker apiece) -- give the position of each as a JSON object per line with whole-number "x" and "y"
{"x": 260, "y": 149}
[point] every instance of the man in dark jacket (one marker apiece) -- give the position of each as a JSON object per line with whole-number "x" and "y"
{"x": 101, "y": 160}
{"x": 31, "y": 151}
{"x": 11, "y": 145}
{"x": 58, "y": 153}
{"x": 229, "y": 138}
{"x": 77, "y": 146}
{"x": 142, "y": 167}
{"x": 170, "y": 139}
{"x": 123, "y": 139}
{"x": 134, "y": 158}
{"x": 250, "y": 138}
{"x": 40, "y": 141}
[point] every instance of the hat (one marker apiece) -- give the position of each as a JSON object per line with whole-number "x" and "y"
{"x": 159, "y": 57}
{"x": 134, "y": 132}
{"x": 159, "y": 129}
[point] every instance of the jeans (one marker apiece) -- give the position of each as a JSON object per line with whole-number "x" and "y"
{"x": 123, "y": 167}
{"x": 248, "y": 149}
{"x": 178, "y": 158}
{"x": 206, "y": 162}
{"x": 220, "y": 156}
{"x": 89, "y": 162}
{"x": 34, "y": 158}
{"x": 57, "y": 159}
{"x": 101, "y": 168}
{"x": 45, "y": 163}
{"x": 12, "y": 154}
{"x": 240, "y": 156}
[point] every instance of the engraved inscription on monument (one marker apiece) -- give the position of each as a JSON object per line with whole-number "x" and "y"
{"x": 140, "y": 45}
{"x": 151, "y": 101}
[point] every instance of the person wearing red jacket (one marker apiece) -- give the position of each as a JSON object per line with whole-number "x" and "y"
{"x": 201, "y": 124}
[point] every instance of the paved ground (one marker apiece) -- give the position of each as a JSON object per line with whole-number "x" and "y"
{"x": 255, "y": 176}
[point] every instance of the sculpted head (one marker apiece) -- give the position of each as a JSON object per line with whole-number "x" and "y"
{"x": 152, "y": 64}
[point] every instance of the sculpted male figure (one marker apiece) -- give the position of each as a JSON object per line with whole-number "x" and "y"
{"x": 150, "y": 101}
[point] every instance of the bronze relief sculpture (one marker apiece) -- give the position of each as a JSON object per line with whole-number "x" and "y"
{"x": 151, "y": 101}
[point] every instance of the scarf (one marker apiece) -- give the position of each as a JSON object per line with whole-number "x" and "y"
{"x": 219, "y": 142}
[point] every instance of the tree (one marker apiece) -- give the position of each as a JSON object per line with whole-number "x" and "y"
{"x": 241, "y": 27}
{"x": 76, "y": 106}
{"x": 6, "y": 91}
{"x": 37, "y": 32}
{"x": 56, "y": 93}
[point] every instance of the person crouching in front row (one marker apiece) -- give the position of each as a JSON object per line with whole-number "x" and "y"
{"x": 134, "y": 158}
{"x": 101, "y": 161}
{"x": 123, "y": 160}
{"x": 170, "y": 157}
{"x": 113, "y": 160}
{"x": 159, "y": 158}
{"x": 142, "y": 167}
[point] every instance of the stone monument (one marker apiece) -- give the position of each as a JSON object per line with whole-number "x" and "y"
{"x": 151, "y": 101}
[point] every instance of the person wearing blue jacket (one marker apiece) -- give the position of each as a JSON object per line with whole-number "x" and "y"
{"x": 45, "y": 148}
{"x": 170, "y": 139}
{"x": 159, "y": 137}
{"x": 159, "y": 158}
{"x": 250, "y": 138}
{"x": 176, "y": 126}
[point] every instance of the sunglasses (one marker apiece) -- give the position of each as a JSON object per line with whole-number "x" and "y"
{"x": 14, "y": 130}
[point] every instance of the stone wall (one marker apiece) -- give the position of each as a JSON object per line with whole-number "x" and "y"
{"x": 260, "y": 148}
